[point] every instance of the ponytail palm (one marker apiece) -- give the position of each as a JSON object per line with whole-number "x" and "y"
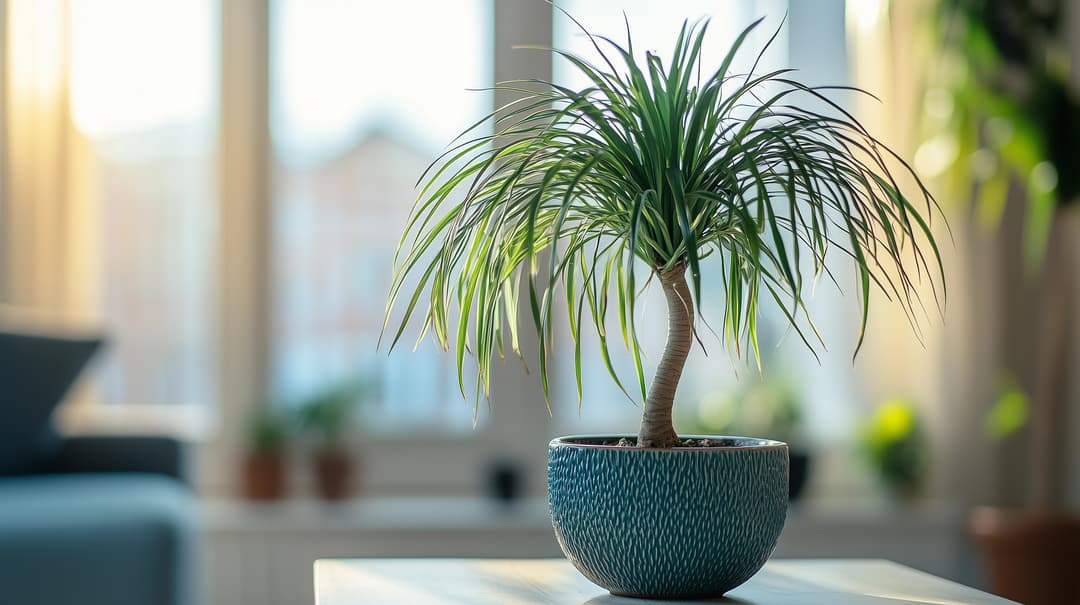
{"x": 636, "y": 179}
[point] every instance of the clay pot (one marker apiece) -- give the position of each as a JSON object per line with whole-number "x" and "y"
{"x": 264, "y": 476}
{"x": 333, "y": 474}
{"x": 1030, "y": 554}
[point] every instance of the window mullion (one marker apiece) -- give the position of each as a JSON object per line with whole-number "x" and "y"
{"x": 243, "y": 253}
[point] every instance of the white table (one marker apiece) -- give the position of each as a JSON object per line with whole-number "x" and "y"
{"x": 556, "y": 582}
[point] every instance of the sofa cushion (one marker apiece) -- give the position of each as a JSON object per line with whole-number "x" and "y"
{"x": 121, "y": 539}
{"x": 36, "y": 371}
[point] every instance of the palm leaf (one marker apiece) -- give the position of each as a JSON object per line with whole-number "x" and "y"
{"x": 655, "y": 165}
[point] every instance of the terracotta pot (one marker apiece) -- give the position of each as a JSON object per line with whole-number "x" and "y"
{"x": 1030, "y": 555}
{"x": 264, "y": 476}
{"x": 333, "y": 474}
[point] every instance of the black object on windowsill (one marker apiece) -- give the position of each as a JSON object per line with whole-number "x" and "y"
{"x": 799, "y": 469}
{"x": 504, "y": 481}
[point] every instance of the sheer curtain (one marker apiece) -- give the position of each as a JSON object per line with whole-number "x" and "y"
{"x": 1000, "y": 317}
{"x": 109, "y": 201}
{"x": 38, "y": 254}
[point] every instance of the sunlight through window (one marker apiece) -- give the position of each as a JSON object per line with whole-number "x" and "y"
{"x": 363, "y": 98}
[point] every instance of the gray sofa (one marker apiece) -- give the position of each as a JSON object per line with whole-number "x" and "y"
{"x": 84, "y": 520}
{"x": 105, "y": 521}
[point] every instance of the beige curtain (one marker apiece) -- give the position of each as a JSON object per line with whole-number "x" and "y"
{"x": 899, "y": 359}
{"x": 48, "y": 260}
{"x": 999, "y": 317}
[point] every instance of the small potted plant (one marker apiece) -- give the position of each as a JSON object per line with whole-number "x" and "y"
{"x": 677, "y": 175}
{"x": 326, "y": 417}
{"x": 894, "y": 443}
{"x": 265, "y": 475}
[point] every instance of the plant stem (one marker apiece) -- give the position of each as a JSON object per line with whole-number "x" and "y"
{"x": 656, "y": 426}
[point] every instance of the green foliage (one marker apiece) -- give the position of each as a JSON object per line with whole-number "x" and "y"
{"x": 329, "y": 413}
{"x": 271, "y": 430}
{"x": 999, "y": 110}
{"x": 1009, "y": 413}
{"x": 584, "y": 194}
{"x": 894, "y": 443}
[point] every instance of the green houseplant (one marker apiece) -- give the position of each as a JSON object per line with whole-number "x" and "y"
{"x": 586, "y": 196}
{"x": 327, "y": 415}
{"x": 265, "y": 467}
{"x": 894, "y": 444}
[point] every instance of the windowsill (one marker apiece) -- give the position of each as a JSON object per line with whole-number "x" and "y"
{"x": 408, "y": 513}
{"x": 272, "y": 544}
{"x": 194, "y": 423}
{"x": 460, "y": 513}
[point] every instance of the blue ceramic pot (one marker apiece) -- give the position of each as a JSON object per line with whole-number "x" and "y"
{"x": 667, "y": 523}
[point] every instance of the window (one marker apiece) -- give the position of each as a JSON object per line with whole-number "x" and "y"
{"x": 361, "y": 102}
{"x": 143, "y": 105}
{"x": 112, "y": 117}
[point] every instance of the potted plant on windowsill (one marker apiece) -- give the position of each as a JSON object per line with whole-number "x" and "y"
{"x": 579, "y": 195}
{"x": 894, "y": 444}
{"x": 327, "y": 416}
{"x": 265, "y": 476}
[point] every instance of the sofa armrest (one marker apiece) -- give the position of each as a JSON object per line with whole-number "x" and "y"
{"x": 95, "y": 454}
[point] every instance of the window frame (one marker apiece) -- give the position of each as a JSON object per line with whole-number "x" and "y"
{"x": 397, "y": 464}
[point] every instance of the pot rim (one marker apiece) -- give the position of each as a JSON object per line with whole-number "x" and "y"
{"x": 755, "y": 444}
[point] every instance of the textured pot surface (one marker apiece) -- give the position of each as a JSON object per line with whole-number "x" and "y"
{"x": 667, "y": 523}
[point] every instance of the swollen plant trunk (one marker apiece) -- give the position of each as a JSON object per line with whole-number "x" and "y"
{"x": 656, "y": 427}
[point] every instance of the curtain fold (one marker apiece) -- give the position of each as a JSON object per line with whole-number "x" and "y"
{"x": 1001, "y": 319}
{"x": 46, "y": 261}
{"x": 899, "y": 359}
